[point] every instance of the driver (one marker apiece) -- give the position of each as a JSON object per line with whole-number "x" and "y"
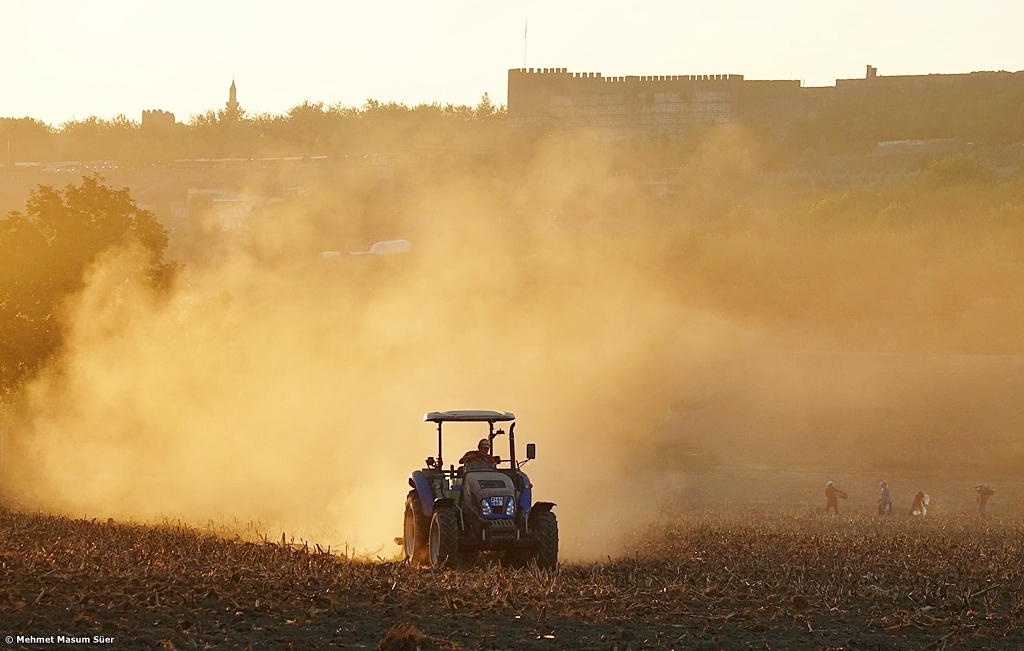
{"x": 481, "y": 453}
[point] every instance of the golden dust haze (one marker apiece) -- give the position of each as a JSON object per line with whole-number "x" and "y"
{"x": 637, "y": 341}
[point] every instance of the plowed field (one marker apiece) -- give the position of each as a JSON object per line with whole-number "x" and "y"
{"x": 768, "y": 580}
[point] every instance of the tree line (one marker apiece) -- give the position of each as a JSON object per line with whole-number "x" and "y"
{"x": 308, "y": 129}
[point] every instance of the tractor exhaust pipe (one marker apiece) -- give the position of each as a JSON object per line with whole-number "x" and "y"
{"x": 512, "y": 444}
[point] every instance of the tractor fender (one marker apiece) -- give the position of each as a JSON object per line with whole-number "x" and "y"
{"x": 419, "y": 481}
{"x": 541, "y": 507}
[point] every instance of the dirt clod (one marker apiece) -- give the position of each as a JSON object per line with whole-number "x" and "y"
{"x": 799, "y": 601}
{"x": 405, "y": 637}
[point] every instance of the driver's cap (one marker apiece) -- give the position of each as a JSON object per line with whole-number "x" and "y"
{"x": 484, "y": 443}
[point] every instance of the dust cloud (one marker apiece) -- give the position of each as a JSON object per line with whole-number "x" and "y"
{"x": 288, "y": 389}
{"x": 634, "y": 338}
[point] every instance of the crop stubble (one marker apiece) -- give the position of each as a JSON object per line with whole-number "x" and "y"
{"x": 761, "y": 580}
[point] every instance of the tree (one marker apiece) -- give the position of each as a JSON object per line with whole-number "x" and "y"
{"x": 44, "y": 253}
{"x": 485, "y": 109}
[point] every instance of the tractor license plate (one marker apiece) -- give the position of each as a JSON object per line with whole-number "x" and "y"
{"x": 497, "y": 502}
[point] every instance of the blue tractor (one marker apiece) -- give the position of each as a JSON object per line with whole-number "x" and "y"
{"x": 453, "y": 514}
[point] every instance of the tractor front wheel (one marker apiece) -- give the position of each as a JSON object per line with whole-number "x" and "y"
{"x": 444, "y": 537}
{"x": 545, "y": 524}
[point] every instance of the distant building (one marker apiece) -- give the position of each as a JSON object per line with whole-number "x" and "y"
{"x": 157, "y": 119}
{"x": 232, "y": 211}
{"x": 673, "y": 106}
{"x": 645, "y": 106}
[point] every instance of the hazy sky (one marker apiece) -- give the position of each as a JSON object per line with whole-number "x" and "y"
{"x": 64, "y": 59}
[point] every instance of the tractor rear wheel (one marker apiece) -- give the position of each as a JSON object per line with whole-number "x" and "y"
{"x": 545, "y": 524}
{"x": 444, "y": 538}
{"x": 415, "y": 531}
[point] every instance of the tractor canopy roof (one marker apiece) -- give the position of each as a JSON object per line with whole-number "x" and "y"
{"x": 468, "y": 415}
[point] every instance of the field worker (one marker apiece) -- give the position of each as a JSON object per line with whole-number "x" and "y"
{"x": 984, "y": 492}
{"x": 920, "y": 504}
{"x": 482, "y": 453}
{"x": 884, "y": 499}
{"x": 832, "y": 496}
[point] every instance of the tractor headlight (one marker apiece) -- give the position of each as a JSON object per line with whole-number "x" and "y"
{"x": 498, "y": 505}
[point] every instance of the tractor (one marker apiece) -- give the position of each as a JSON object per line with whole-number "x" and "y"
{"x": 454, "y": 514}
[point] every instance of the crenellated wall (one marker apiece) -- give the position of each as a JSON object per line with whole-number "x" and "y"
{"x": 674, "y": 106}
{"x": 633, "y": 106}
{"x": 157, "y": 119}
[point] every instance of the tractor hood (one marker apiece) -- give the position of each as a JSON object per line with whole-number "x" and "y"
{"x": 488, "y": 483}
{"x": 484, "y": 484}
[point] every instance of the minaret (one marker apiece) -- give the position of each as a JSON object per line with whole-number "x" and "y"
{"x": 232, "y": 104}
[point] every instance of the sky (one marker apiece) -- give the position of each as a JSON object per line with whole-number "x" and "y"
{"x": 62, "y": 60}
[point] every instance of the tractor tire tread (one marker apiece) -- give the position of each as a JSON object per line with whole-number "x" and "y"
{"x": 447, "y": 522}
{"x": 546, "y": 526}
{"x": 421, "y": 546}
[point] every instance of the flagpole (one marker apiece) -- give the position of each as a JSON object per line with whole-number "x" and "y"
{"x": 525, "y": 29}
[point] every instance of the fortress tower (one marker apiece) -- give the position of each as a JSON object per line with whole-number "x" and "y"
{"x": 157, "y": 119}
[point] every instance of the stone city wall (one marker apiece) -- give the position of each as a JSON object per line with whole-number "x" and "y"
{"x": 673, "y": 106}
